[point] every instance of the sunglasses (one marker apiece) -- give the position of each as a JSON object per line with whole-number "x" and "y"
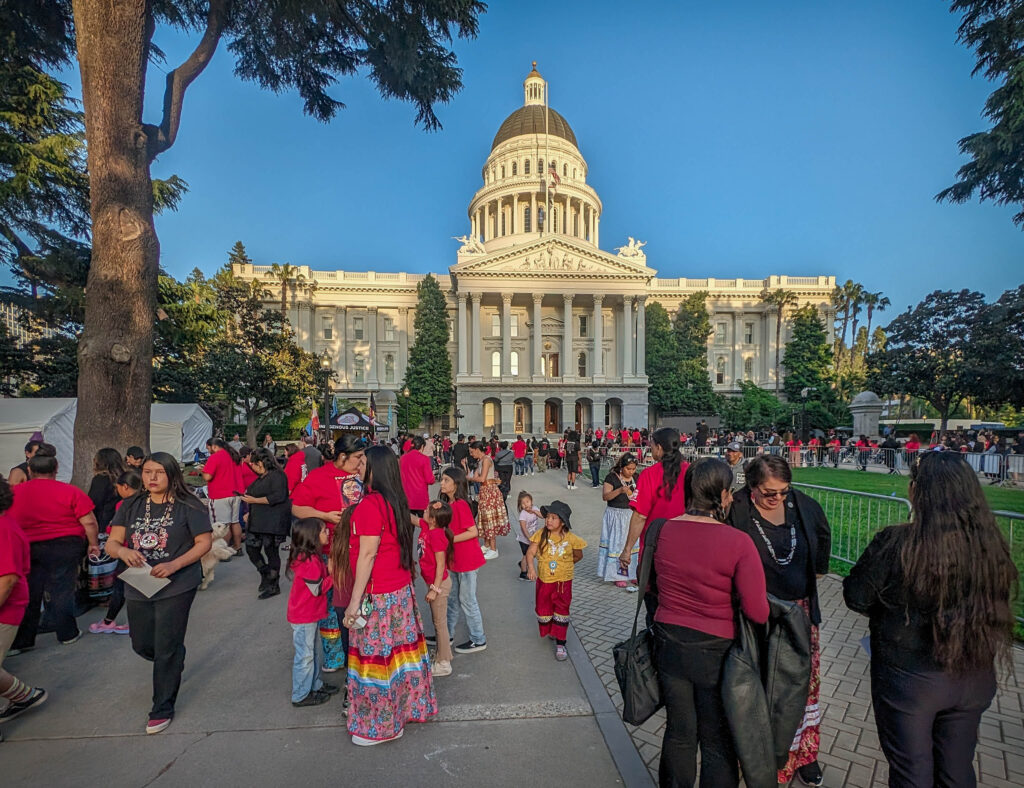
{"x": 773, "y": 494}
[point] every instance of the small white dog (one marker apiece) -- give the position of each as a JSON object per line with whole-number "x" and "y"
{"x": 218, "y": 552}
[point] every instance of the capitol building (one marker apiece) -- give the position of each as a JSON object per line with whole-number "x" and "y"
{"x": 546, "y": 329}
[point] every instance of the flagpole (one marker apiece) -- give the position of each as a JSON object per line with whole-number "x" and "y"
{"x": 544, "y": 168}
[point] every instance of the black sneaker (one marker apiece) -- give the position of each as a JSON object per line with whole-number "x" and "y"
{"x": 432, "y": 640}
{"x": 314, "y": 698}
{"x": 330, "y": 689}
{"x": 523, "y": 576}
{"x": 810, "y": 774}
{"x": 14, "y": 709}
{"x": 469, "y": 647}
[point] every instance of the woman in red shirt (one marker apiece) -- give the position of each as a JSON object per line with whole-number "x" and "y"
{"x": 417, "y": 476}
{"x": 324, "y": 494}
{"x": 223, "y": 488}
{"x": 58, "y": 520}
{"x": 389, "y": 679}
{"x": 700, "y": 562}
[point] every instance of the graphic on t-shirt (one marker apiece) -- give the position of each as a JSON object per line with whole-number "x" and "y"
{"x": 150, "y": 540}
{"x": 351, "y": 490}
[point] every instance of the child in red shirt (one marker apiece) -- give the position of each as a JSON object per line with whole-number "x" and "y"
{"x": 307, "y": 604}
{"x": 437, "y": 556}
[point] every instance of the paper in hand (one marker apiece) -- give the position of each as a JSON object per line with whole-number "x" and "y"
{"x": 139, "y": 578}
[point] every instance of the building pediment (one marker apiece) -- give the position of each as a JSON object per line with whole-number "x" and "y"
{"x": 551, "y": 258}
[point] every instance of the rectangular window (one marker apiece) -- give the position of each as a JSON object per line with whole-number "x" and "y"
{"x": 389, "y": 330}
{"x": 357, "y": 368}
{"x": 514, "y": 330}
{"x": 748, "y": 369}
{"x": 327, "y": 327}
{"x": 357, "y": 327}
{"x": 514, "y": 364}
{"x": 583, "y": 325}
{"x": 719, "y": 333}
{"x": 748, "y": 333}
{"x": 495, "y": 325}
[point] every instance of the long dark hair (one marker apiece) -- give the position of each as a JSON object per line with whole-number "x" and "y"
{"x": 176, "y": 487}
{"x": 347, "y": 444}
{"x": 305, "y": 542}
{"x": 957, "y": 565}
{"x": 265, "y": 458}
{"x": 671, "y": 461}
{"x": 440, "y": 514}
{"x": 544, "y": 534}
{"x": 458, "y": 477}
{"x": 220, "y": 443}
{"x": 624, "y": 460}
{"x": 384, "y": 477}
{"x": 703, "y": 485}
{"x": 341, "y": 567}
{"x": 130, "y": 479}
{"x": 107, "y": 462}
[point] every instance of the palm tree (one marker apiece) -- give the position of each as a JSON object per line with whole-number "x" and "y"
{"x": 779, "y": 300}
{"x": 286, "y": 274}
{"x": 875, "y": 302}
{"x": 852, "y": 298}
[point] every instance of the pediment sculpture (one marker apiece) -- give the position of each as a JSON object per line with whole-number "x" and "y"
{"x": 470, "y": 245}
{"x": 555, "y": 260}
{"x": 632, "y": 249}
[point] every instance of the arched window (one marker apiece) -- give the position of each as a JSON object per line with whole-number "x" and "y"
{"x": 573, "y": 172}
{"x": 748, "y": 369}
{"x": 514, "y": 363}
{"x": 540, "y": 219}
{"x": 565, "y": 170}
{"x": 540, "y": 166}
{"x": 526, "y": 167}
{"x": 502, "y": 170}
{"x": 502, "y": 222}
{"x": 389, "y": 368}
{"x": 526, "y": 216}
{"x": 490, "y": 414}
{"x": 543, "y": 366}
{"x": 581, "y": 364}
{"x": 720, "y": 370}
{"x": 495, "y": 364}
{"x": 554, "y": 166}
{"x": 515, "y": 168}
{"x": 554, "y": 218}
{"x": 357, "y": 368}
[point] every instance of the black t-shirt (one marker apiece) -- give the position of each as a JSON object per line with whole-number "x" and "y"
{"x": 620, "y": 501}
{"x": 543, "y": 450}
{"x": 160, "y": 540}
{"x": 104, "y": 497}
{"x": 789, "y": 581}
{"x": 274, "y": 517}
{"x": 460, "y": 452}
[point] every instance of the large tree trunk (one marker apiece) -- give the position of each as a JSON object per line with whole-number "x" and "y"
{"x": 250, "y": 430}
{"x": 115, "y": 353}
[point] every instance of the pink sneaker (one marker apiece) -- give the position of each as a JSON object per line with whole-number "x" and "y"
{"x": 101, "y": 627}
{"x": 121, "y": 629}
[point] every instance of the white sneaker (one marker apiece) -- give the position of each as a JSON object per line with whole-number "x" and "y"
{"x": 360, "y": 741}
{"x": 441, "y": 667}
{"x": 490, "y": 555}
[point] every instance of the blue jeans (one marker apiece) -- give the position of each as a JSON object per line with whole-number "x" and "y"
{"x": 307, "y": 662}
{"x": 463, "y": 594}
{"x": 528, "y": 463}
{"x": 519, "y": 465}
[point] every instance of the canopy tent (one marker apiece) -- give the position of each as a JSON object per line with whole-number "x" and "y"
{"x": 177, "y": 429}
{"x": 354, "y": 420}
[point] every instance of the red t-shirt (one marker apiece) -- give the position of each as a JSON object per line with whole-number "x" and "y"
{"x": 247, "y": 476}
{"x": 373, "y": 517}
{"x": 293, "y": 470}
{"x": 224, "y": 475}
{"x": 303, "y": 606}
{"x": 698, "y": 564}
{"x": 49, "y": 509}
{"x": 15, "y": 559}
{"x": 328, "y": 489}
{"x": 519, "y": 449}
{"x": 417, "y": 476}
{"x": 912, "y": 446}
{"x": 406, "y": 446}
{"x": 468, "y": 555}
{"x": 636, "y": 436}
{"x": 650, "y": 500}
{"x": 598, "y": 433}
{"x": 431, "y": 542}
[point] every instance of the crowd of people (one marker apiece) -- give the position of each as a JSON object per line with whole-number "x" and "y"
{"x": 732, "y": 541}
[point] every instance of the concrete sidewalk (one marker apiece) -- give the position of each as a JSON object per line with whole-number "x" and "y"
{"x": 508, "y": 715}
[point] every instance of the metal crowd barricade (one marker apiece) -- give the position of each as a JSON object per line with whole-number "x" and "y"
{"x": 855, "y": 517}
{"x": 1012, "y": 525}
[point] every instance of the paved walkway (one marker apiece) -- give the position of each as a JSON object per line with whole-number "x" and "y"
{"x": 603, "y": 614}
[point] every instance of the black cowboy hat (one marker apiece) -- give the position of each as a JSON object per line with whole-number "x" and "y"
{"x": 561, "y": 510}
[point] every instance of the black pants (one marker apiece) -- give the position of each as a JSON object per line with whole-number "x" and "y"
{"x": 928, "y": 724}
{"x": 116, "y": 601}
{"x": 264, "y": 550}
{"x": 158, "y": 635}
{"x": 689, "y": 674}
{"x": 54, "y": 570}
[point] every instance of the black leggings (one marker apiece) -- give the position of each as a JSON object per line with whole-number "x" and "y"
{"x": 264, "y": 550}
{"x": 158, "y": 635}
{"x": 116, "y": 601}
{"x": 689, "y": 674}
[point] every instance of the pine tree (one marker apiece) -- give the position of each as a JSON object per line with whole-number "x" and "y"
{"x": 429, "y": 374}
{"x": 238, "y": 255}
{"x": 691, "y": 328}
{"x": 808, "y": 358}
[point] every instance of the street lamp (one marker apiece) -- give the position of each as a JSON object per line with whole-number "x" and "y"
{"x": 325, "y": 365}
{"x": 803, "y": 410}
{"x": 405, "y": 393}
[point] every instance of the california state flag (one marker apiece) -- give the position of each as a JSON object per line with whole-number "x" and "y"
{"x": 314, "y": 418}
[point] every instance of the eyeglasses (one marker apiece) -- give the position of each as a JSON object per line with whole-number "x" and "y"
{"x": 774, "y": 493}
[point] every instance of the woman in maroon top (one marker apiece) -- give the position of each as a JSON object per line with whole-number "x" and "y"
{"x": 700, "y": 564}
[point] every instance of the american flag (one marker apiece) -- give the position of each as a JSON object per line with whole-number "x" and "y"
{"x": 314, "y": 418}
{"x": 555, "y": 180}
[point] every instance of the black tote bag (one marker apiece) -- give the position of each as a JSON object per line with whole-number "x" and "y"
{"x": 635, "y": 670}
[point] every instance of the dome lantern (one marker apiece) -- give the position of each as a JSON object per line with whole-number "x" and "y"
{"x": 535, "y": 89}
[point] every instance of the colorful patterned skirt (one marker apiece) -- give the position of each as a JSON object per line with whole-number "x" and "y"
{"x": 389, "y": 680}
{"x": 330, "y": 637}
{"x": 492, "y": 515}
{"x": 804, "y": 749}
{"x": 614, "y": 530}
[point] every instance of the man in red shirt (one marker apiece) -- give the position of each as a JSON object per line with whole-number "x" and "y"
{"x": 519, "y": 456}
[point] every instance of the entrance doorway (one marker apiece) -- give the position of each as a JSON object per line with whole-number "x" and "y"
{"x": 553, "y": 416}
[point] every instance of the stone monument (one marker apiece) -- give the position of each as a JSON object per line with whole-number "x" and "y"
{"x": 866, "y": 408}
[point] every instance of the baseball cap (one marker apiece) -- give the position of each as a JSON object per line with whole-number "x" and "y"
{"x": 734, "y": 446}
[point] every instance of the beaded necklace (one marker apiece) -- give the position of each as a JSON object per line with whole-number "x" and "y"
{"x": 165, "y": 519}
{"x": 768, "y": 542}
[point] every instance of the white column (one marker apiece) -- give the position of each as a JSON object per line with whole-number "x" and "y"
{"x": 338, "y": 349}
{"x": 627, "y": 337}
{"x": 533, "y": 212}
{"x": 568, "y": 368}
{"x": 597, "y": 230}
{"x": 403, "y": 344}
{"x": 460, "y": 337}
{"x": 347, "y": 347}
{"x": 641, "y": 338}
{"x": 472, "y": 224}
{"x": 737, "y": 348}
{"x": 506, "y": 335}
{"x": 767, "y": 357}
{"x": 371, "y": 314}
{"x": 538, "y": 338}
{"x": 598, "y": 364}
{"x": 515, "y": 214}
{"x": 474, "y": 359}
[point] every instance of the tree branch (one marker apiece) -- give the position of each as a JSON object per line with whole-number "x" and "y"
{"x": 161, "y": 138}
{"x": 23, "y": 249}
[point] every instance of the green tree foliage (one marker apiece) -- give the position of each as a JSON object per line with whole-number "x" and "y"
{"x": 808, "y": 358}
{"x": 781, "y": 301}
{"x": 429, "y": 373}
{"x": 663, "y": 361}
{"x": 753, "y": 409}
{"x": 994, "y": 29}
{"x": 676, "y": 358}
{"x": 692, "y": 327}
{"x": 998, "y": 350}
{"x": 932, "y": 352}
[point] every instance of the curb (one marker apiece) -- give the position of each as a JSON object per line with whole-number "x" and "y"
{"x": 631, "y": 766}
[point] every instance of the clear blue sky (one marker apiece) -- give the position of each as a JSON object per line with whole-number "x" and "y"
{"x": 737, "y": 138}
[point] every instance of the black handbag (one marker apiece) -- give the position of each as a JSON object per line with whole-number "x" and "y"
{"x": 635, "y": 670}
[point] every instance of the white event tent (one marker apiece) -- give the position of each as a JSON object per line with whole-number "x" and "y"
{"x": 177, "y": 429}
